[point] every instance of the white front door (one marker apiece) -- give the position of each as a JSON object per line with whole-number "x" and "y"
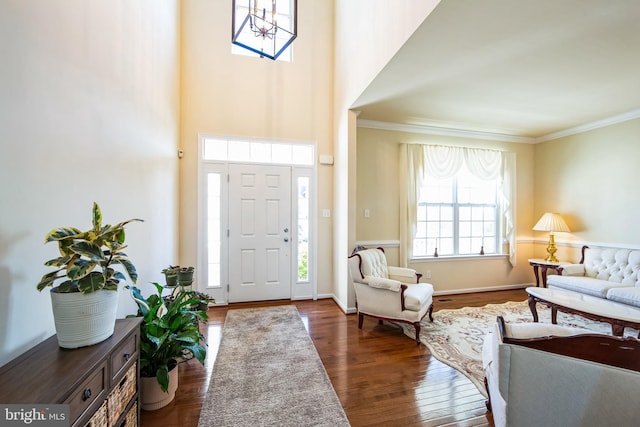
{"x": 259, "y": 232}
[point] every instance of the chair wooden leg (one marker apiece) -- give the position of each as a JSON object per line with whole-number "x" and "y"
{"x": 488, "y": 401}
{"x": 431, "y": 312}
{"x": 360, "y": 319}
{"x": 416, "y": 325}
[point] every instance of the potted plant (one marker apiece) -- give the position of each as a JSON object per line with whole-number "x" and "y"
{"x": 169, "y": 331}
{"x": 185, "y": 276}
{"x": 178, "y": 276}
{"x": 171, "y": 276}
{"x": 85, "y": 282}
{"x": 205, "y": 300}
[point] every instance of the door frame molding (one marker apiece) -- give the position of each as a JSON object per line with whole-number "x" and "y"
{"x": 299, "y": 290}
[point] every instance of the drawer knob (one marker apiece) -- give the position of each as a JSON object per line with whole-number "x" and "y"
{"x": 86, "y": 394}
{"x": 126, "y": 356}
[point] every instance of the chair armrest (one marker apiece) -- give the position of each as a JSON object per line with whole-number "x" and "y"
{"x": 403, "y": 274}
{"x": 572, "y": 269}
{"x": 382, "y": 283}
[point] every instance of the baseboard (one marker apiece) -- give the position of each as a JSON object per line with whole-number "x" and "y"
{"x": 485, "y": 289}
{"x": 344, "y": 308}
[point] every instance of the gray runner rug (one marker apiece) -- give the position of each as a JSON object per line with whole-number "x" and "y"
{"x": 268, "y": 373}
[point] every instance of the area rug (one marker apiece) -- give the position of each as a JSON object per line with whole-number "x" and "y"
{"x": 268, "y": 373}
{"x": 455, "y": 337}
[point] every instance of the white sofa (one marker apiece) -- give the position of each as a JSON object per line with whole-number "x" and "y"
{"x": 613, "y": 274}
{"x": 551, "y": 375}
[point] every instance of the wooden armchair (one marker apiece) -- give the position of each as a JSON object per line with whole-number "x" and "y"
{"x": 389, "y": 293}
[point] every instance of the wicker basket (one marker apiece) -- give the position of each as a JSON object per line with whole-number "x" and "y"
{"x": 132, "y": 416}
{"x": 99, "y": 419}
{"x": 122, "y": 394}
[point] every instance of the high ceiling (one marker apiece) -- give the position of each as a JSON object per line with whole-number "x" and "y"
{"x": 524, "y": 68}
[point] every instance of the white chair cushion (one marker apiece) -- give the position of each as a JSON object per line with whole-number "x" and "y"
{"x": 382, "y": 283}
{"x": 374, "y": 263}
{"x": 417, "y": 296}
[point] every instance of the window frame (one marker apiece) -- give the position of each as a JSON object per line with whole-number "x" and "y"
{"x": 455, "y": 206}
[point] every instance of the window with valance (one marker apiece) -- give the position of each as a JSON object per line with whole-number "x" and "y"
{"x": 459, "y": 201}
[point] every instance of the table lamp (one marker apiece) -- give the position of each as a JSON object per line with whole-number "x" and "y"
{"x": 551, "y": 222}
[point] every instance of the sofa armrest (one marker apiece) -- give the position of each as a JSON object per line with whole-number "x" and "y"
{"x": 403, "y": 274}
{"x": 602, "y": 394}
{"x": 572, "y": 269}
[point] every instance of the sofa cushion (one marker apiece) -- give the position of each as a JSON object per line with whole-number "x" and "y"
{"x": 417, "y": 295}
{"x": 585, "y": 285}
{"x": 627, "y": 295}
{"x": 614, "y": 265}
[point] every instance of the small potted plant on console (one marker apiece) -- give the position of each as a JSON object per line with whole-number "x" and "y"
{"x": 84, "y": 294}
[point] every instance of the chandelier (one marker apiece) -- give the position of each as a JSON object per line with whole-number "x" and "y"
{"x": 265, "y": 27}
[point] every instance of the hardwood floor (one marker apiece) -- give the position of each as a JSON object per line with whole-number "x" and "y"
{"x": 380, "y": 375}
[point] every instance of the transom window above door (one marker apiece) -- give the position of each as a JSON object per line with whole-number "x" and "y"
{"x": 257, "y": 151}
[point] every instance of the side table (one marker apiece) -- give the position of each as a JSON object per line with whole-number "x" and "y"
{"x": 543, "y": 266}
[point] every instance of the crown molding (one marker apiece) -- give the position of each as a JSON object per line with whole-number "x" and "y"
{"x": 492, "y": 136}
{"x": 441, "y": 131}
{"x": 631, "y": 115}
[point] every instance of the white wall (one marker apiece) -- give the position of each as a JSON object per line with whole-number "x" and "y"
{"x": 237, "y": 95}
{"x": 367, "y": 34}
{"x": 591, "y": 179}
{"x": 88, "y": 112}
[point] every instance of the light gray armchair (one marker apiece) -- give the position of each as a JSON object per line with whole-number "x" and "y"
{"x": 389, "y": 293}
{"x": 549, "y": 375}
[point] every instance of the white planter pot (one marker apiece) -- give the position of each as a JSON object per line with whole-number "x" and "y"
{"x": 84, "y": 319}
{"x": 151, "y": 395}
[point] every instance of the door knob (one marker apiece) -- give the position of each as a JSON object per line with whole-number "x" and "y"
{"x": 286, "y": 239}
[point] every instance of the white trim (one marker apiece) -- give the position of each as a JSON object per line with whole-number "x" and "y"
{"x": 344, "y": 308}
{"x": 458, "y": 258}
{"x": 202, "y": 271}
{"x": 307, "y": 289}
{"x": 354, "y": 310}
{"x": 520, "y": 241}
{"x": 631, "y": 115}
{"x": 298, "y": 289}
{"x": 484, "y": 289}
{"x": 379, "y": 243}
{"x": 493, "y": 136}
{"x": 579, "y": 244}
{"x": 435, "y": 130}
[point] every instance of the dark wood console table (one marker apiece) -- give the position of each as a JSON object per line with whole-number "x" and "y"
{"x": 100, "y": 383}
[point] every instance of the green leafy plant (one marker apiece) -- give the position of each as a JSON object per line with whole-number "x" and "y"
{"x": 87, "y": 258}
{"x": 178, "y": 276}
{"x": 303, "y": 266}
{"x": 205, "y": 299}
{"x": 169, "y": 330}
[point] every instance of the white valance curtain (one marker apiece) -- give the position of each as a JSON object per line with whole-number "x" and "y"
{"x": 443, "y": 162}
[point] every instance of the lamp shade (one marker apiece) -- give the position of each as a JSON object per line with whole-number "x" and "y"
{"x": 551, "y": 222}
